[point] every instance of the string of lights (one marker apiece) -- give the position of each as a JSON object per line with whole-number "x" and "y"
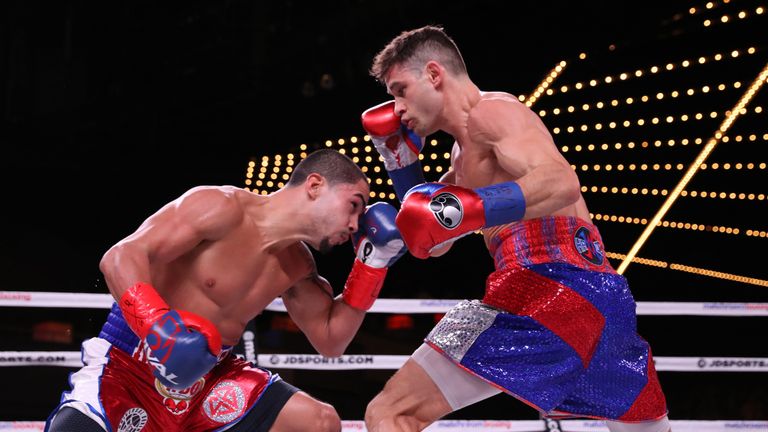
{"x": 761, "y": 79}
{"x": 641, "y": 122}
{"x": 659, "y": 143}
{"x": 690, "y": 269}
{"x": 704, "y": 89}
{"x": 681, "y": 225}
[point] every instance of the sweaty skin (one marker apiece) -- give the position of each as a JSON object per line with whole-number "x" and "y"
{"x": 225, "y": 253}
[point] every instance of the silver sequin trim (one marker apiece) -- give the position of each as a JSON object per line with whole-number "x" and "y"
{"x": 459, "y": 328}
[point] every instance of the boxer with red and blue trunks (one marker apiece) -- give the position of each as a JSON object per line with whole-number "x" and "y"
{"x": 117, "y": 389}
{"x": 196, "y": 271}
{"x": 556, "y": 327}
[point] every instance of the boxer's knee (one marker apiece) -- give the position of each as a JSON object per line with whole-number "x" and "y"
{"x": 381, "y": 414}
{"x": 373, "y": 413}
{"x": 326, "y": 419}
{"x": 660, "y": 425}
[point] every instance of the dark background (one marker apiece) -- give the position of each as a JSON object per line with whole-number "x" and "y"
{"x": 112, "y": 109}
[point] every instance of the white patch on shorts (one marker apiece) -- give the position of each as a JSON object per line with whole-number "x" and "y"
{"x": 225, "y": 402}
{"x": 133, "y": 420}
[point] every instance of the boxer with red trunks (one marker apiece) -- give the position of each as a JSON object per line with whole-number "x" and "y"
{"x": 556, "y": 327}
{"x": 196, "y": 272}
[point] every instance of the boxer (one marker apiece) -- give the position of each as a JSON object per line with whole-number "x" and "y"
{"x": 556, "y": 328}
{"x": 190, "y": 278}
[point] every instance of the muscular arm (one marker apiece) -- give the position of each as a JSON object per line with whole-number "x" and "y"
{"x": 525, "y": 150}
{"x": 200, "y": 214}
{"x": 329, "y": 323}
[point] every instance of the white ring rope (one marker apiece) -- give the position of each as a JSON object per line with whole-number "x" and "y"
{"x": 72, "y": 359}
{"x": 104, "y": 301}
{"x": 371, "y": 361}
{"x": 505, "y": 426}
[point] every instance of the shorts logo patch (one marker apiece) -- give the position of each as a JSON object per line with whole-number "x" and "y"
{"x": 133, "y": 420}
{"x": 588, "y": 246}
{"x": 447, "y": 209}
{"x": 176, "y": 401}
{"x": 225, "y": 402}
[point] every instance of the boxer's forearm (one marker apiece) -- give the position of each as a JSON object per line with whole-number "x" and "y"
{"x": 337, "y": 331}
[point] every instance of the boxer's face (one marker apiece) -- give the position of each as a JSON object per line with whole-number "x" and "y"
{"x": 340, "y": 209}
{"x": 417, "y": 100}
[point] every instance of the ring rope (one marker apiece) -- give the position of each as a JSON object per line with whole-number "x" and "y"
{"x": 504, "y": 426}
{"x": 104, "y": 301}
{"x": 372, "y": 361}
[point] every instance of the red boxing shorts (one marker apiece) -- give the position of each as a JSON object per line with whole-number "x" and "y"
{"x": 556, "y": 327}
{"x": 117, "y": 389}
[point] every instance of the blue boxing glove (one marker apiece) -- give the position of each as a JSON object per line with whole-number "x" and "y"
{"x": 377, "y": 245}
{"x": 182, "y": 346}
{"x": 397, "y": 145}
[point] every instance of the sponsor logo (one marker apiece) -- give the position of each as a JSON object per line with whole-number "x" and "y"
{"x": 552, "y": 425}
{"x": 177, "y": 401}
{"x": 367, "y": 251}
{"x": 275, "y": 359}
{"x": 15, "y": 296}
{"x": 29, "y": 359}
{"x": 726, "y": 363}
{"x": 447, "y": 210}
{"x": 250, "y": 347}
{"x": 588, "y": 246}
{"x": 225, "y": 402}
{"x": 159, "y": 366}
{"x": 133, "y": 420}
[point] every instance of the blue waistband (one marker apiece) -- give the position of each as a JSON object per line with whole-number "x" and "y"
{"x": 116, "y": 331}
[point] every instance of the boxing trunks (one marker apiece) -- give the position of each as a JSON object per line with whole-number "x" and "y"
{"x": 116, "y": 388}
{"x": 556, "y": 327}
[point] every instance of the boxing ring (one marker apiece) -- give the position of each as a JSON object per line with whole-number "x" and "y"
{"x": 739, "y": 65}
{"x": 353, "y": 361}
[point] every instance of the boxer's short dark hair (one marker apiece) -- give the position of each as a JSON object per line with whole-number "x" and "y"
{"x": 417, "y": 47}
{"x": 337, "y": 168}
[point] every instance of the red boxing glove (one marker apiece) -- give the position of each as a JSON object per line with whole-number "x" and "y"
{"x": 398, "y": 146}
{"x": 377, "y": 245}
{"x": 183, "y": 346}
{"x": 363, "y": 285}
{"x": 435, "y": 213}
{"x": 142, "y": 306}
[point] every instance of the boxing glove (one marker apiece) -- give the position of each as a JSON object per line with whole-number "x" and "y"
{"x": 397, "y": 145}
{"x": 435, "y": 213}
{"x": 182, "y": 346}
{"x": 378, "y": 245}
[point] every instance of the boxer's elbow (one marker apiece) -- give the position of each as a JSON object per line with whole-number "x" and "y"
{"x": 333, "y": 352}
{"x": 332, "y": 344}
{"x": 330, "y": 348}
{"x": 109, "y": 260}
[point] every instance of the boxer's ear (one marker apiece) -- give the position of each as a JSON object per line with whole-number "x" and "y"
{"x": 313, "y": 184}
{"x": 435, "y": 72}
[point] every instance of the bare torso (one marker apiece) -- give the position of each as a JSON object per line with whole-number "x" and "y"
{"x": 232, "y": 279}
{"x": 475, "y": 164}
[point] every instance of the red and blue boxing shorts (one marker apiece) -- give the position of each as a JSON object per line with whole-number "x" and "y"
{"x": 556, "y": 327}
{"x": 117, "y": 389}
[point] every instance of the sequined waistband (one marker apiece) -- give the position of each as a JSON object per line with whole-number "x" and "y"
{"x": 550, "y": 239}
